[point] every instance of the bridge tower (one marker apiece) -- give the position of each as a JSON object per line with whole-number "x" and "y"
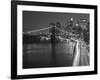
{"x": 52, "y": 32}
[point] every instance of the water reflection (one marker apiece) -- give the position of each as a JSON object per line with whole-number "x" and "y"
{"x": 45, "y": 55}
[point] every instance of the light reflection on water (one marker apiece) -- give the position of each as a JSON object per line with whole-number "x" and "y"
{"x": 42, "y": 55}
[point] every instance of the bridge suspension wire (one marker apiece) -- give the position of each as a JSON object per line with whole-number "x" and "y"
{"x": 65, "y": 31}
{"x": 37, "y": 30}
{"x": 61, "y": 30}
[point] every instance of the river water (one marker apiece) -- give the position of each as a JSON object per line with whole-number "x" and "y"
{"x": 43, "y": 55}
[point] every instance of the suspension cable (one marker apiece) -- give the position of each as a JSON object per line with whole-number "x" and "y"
{"x": 37, "y": 30}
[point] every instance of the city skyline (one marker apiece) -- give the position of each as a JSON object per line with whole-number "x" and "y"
{"x": 33, "y": 20}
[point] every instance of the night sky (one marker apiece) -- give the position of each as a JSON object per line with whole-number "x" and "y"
{"x": 36, "y": 20}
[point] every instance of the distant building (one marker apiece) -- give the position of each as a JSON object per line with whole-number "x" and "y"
{"x": 83, "y": 24}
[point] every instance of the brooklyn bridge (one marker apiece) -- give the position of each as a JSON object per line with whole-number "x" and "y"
{"x": 53, "y": 47}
